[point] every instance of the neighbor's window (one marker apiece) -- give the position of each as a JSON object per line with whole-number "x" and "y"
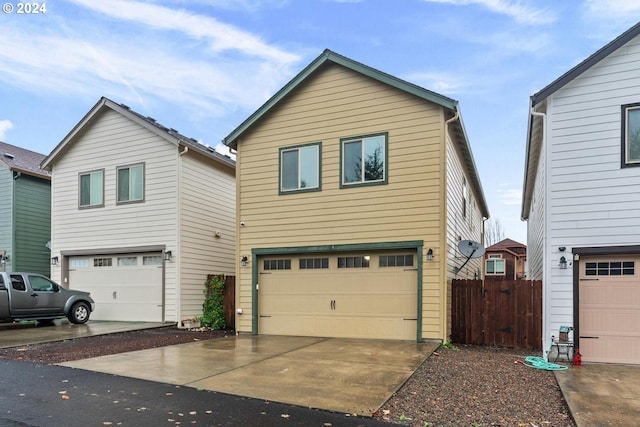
{"x": 300, "y": 168}
{"x": 631, "y": 135}
{"x": 131, "y": 183}
{"x": 495, "y": 265}
{"x": 364, "y": 160}
{"x": 92, "y": 189}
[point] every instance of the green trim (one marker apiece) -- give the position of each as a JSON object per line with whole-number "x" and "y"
{"x": 300, "y": 190}
{"x": 417, "y": 245}
{"x": 419, "y": 306}
{"x": 385, "y": 181}
{"x": 254, "y": 294}
{"x": 329, "y": 56}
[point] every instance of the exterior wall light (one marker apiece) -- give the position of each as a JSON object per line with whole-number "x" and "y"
{"x": 563, "y": 263}
{"x": 168, "y": 255}
{"x": 55, "y": 260}
{"x": 243, "y": 260}
{"x": 430, "y": 255}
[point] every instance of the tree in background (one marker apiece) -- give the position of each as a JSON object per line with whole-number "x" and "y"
{"x": 493, "y": 232}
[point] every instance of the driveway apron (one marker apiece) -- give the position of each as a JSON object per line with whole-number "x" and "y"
{"x": 602, "y": 394}
{"x": 343, "y": 375}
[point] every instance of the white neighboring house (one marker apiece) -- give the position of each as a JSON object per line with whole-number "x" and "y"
{"x": 581, "y": 198}
{"x": 140, "y": 215}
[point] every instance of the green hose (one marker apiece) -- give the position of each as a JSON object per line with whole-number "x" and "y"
{"x": 540, "y": 363}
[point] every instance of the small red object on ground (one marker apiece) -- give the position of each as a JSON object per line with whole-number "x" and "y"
{"x": 577, "y": 358}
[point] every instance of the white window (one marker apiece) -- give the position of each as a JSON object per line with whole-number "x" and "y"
{"x": 300, "y": 168}
{"x": 131, "y": 183}
{"x": 91, "y": 189}
{"x": 495, "y": 265}
{"x": 364, "y": 160}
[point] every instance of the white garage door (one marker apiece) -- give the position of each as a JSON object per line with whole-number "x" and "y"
{"x": 352, "y": 295}
{"x": 125, "y": 287}
{"x": 610, "y": 309}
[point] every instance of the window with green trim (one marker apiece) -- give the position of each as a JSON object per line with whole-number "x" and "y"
{"x": 300, "y": 168}
{"x": 364, "y": 160}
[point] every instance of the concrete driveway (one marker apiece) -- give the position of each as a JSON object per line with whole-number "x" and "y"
{"x": 343, "y": 375}
{"x": 23, "y": 333}
{"x": 602, "y": 394}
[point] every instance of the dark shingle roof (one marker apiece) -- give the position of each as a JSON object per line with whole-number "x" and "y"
{"x": 22, "y": 160}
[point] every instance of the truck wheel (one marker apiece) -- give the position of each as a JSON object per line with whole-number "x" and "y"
{"x": 79, "y": 313}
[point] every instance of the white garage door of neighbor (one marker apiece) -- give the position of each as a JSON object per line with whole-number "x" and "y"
{"x": 125, "y": 287}
{"x": 351, "y": 296}
{"x": 610, "y": 309}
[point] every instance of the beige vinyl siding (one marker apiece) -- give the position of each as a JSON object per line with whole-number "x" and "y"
{"x": 201, "y": 252}
{"x": 110, "y": 141}
{"x": 338, "y": 103}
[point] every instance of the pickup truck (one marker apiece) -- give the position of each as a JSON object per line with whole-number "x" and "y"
{"x": 30, "y": 296}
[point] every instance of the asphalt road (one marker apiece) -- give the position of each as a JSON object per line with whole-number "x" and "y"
{"x": 34, "y": 395}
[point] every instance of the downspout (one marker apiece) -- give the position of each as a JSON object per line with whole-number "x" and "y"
{"x": 443, "y": 229}
{"x": 545, "y": 273}
{"x": 178, "y": 269}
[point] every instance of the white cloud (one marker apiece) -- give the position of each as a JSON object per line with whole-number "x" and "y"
{"x": 178, "y": 58}
{"x": 514, "y": 9}
{"x": 5, "y": 125}
{"x": 219, "y": 36}
{"x": 510, "y": 197}
{"x": 442, "y": 83}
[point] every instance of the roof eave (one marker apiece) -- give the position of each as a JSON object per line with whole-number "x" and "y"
{"x": 231, "y": 140}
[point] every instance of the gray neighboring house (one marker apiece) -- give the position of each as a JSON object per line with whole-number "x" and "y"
{"x": 25, "y": 211}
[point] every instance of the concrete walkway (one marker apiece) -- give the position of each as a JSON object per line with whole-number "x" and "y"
{"x": 343, "y": 375}
{"x": 602, "y": 394}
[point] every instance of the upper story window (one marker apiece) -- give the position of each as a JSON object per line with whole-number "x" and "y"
{"x": 300, "y": 168}
{"x": 364, "y": 160}
{"x": 465, "y": 197}
{"x": 495, "y": 265}
{"x": 131, "y": 183}
{"x": 631, "y": 135}
{"x": 91, "y": 189}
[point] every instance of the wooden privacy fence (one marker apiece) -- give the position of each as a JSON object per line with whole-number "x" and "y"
{"x": 502, "y": 313}
{"x": 229, "y": 300}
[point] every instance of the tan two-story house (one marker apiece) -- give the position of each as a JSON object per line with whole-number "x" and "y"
{"x": 354, "y": 189}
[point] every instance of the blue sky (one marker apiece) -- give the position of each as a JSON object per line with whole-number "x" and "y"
{"x": 203, "y": 66}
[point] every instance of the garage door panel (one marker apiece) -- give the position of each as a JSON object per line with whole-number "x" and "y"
{"x": 609, "y": 309}
{"x": 121, "y": 293}
{"x": 348, "y": 302}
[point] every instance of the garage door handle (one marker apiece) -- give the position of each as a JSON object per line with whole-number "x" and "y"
{"x": 264, "y": 315}
{"x": 588, "y": 337}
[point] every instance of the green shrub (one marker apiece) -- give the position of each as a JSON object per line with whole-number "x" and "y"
{"x": 212, "y": 307}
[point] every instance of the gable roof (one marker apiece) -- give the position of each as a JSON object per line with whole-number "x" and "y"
{"x": 505, "y": 244}
{"x": 535, "y": 128}
{"x": 169, "y": 134}
{"x": 22, "y": 160}
{"x": 592, "y": 60}
{"x": 329, "y": 56}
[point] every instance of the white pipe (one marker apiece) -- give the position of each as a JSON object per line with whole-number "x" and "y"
{"x": 186, "y": 149}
